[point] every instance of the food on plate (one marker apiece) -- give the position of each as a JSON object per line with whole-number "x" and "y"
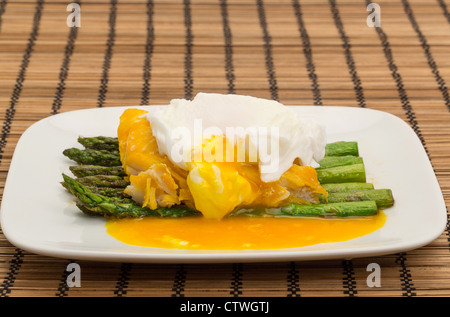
{"x": 93, "y": 157}
{"x": 222, "y": 157}
{"x": 93, "y": 170}
{"x": 167, "y": 167}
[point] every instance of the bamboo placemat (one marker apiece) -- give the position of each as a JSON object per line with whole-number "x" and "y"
{"x": 312, "y": 52}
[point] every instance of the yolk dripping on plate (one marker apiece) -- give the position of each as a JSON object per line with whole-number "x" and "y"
{"x": 239, "y": 233}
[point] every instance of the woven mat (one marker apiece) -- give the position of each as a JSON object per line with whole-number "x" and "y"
{"x": 313, "y": 52}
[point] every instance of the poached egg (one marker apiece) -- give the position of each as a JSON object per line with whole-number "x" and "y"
{"x": 181, "y": 154}
{"x": 275, "y": 134}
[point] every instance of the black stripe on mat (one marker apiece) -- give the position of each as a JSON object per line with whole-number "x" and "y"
{"x": 229, "y": 68}
{"x": 405, "y": 275}
{"x": 180, "y": 275}
{"x": 8, "y": 281}
{"x": 270, "y": 68}
{"x": 307, "y": 51}
{"x": 236, "y": 281}
{"x": 124, "y": 279}
{"x": 444, "y": 8}
{"x": 10, "y": 112}
{"x": 409, "y": 111}
{"x": 188, "y": 79}
{"x": 349, "y": 282}
{"x": 56, "y": 106}
{"x": 427, "y": 50}
{"x": 348, "y": 54}
{"x": 108, "y": 54}
{"x": 148, "y": 55}
{"x": 179, "y": 282}
{"x": 293, "y": 280}
{"x": 447, "y": 228}
{"x": 2, "y": 10}
{"x": 63, "y": 288}
{"x": 64, "y": 70}
{"x": 14, "y": 267}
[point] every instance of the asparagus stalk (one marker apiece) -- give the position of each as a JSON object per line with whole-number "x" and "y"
{"x": 105, "y": 191}
{"x": 83, "y": 193}
{"x": 342, "y": 148}
{"x": 89, "y": 211}
{"x": 346, "y": 187}
{"x": 382, "y": 197}
{"x": 104, "y": 181}
{"x": 93, "y": 157}
{"x": 109, "y": 191}
{"x": 342, "y": 174}
{"x": 333, "y": 161}
{"x": 100, "y": 143}
{"x": 93, "y": 170}
{"x": 341, "y": 209}
{"x": 130, "y": 210}
{"x": 96, "y": 204}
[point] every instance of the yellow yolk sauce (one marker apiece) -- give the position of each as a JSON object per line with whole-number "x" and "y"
{"x": 239, "y": 233}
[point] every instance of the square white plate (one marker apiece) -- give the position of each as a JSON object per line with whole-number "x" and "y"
{"x": 39, "y": 216}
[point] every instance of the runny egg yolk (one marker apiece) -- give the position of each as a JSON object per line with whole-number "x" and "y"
{"x": 240, "y": 233}
{"x": 218, "y": 188}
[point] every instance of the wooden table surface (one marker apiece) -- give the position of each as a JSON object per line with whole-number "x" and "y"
{"x": 299, "y": 52}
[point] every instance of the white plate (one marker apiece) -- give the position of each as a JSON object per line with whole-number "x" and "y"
{"x": 39, "y": 216}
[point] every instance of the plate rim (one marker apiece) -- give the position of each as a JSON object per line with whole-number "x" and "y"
{"x": 186, "y": 256}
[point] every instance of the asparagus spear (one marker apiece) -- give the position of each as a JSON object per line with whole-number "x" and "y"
{"x": 346, "y": 187}
{"x": 93, "y": 170}
{"x": 382, "y": 197}
{"x": 100, "y": 143}
{"x": 131, "y": 210}
{"x": 93, "y": 157}
{"x": 83, "y": 193}
{"x": 342, "y": 174}
{"x": 104, "y": 181}
{"x": 333, "y": 161}
{"x": 342, "y": 148}
{"x": 341, "y": 209}
{"x": 105, "y": 191}
{"x": 97, "y": 204}
{"x": 88, "y": 211}
{"x": 109, "y": 191}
